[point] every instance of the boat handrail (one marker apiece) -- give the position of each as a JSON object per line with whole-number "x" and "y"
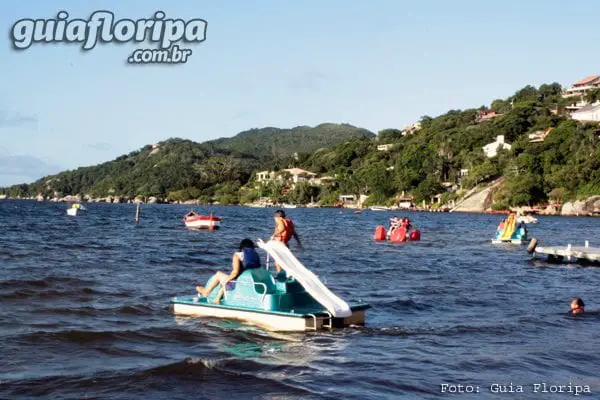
{"x": 314, "y": 318}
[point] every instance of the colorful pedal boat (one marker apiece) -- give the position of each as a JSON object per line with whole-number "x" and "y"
{"x": 277, "y": 303}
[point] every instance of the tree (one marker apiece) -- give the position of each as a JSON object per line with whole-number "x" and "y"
{"x": 528, "y": 93}
{"x": 524, "y": 189}
{"x": 501, "y": 106}
{"x": 427, "y": 188}
{"x": 558, "y": 194}
{"x": 550, "y": 92}
{"x": 387, "y": 135}
{"x": 593, "y": 96}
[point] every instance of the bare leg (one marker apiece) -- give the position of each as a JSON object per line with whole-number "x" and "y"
{"x": 206, "y": 291}
{"x": 217, "y": 299}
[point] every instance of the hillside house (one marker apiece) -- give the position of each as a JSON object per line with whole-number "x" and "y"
{"x": 412, "y": 128}
{"x": 265, "y": 176}
{"x": 300, "y": 175}
{"x": 485, "y": 115}
{"x": 588, "y": 113}
{"x": 293, "y": 176}
{"x": 491, "y": 149}
{"x": 581, "y": 88}
{"x": 324, "y": 180}
{"x": 385, "y": 147}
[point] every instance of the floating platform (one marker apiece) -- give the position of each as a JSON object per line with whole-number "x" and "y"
{"x": 567, "y": 254}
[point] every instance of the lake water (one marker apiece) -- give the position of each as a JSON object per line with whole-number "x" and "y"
{"x": 84, "y": 308}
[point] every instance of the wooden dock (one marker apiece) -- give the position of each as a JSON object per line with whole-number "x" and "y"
{"x": 570, "y": 253}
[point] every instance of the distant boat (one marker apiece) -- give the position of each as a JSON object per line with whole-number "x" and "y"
{"x": 197, "y": 221}
{"x": 284, "y": 205}
{"x": 379, "y": 208}
{"x": 527, "y": 219}
{"x": 312, "y": 203}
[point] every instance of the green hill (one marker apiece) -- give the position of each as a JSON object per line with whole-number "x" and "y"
{"x": 182, "y": 169}
{"x": 429, "y": 161}
{"x": 445, "y": 154}
{"x": 274, "y": 142}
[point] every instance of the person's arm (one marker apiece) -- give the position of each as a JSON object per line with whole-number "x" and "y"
{"x": 279, "y": 229}
{"x": 295, "y": 235}
{"x": 235, "y": 268}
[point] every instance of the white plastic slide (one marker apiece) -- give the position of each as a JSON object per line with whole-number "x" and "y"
{"x": 289, "y": 263}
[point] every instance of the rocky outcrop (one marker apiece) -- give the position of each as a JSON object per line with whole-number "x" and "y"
{"x": 582, "y": 207}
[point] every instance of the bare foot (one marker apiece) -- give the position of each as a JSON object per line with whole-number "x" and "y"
{"x": 201, "y": 291}
{"x": 216, "y": 301}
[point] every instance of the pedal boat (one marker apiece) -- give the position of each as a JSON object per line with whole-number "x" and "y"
{"x": 275, "y": 303}
{"x": 516, "y": 233}
{"x": 75, "y": 207}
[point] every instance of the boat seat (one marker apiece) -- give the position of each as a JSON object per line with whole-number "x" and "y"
{"x": 260, "y": 277}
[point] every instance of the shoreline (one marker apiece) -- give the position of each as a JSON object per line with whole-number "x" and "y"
{"x": 299, "y": 206}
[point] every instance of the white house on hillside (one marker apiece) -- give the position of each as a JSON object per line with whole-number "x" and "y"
{"x": 385, "y": 147}
{"x": 491, "y": 149}
{"x": 294, "y": 175}
{"x": 581, "y": 88}
{"x": 591, "y": 112}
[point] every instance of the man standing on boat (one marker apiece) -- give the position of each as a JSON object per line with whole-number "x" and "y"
{"x": 284, "y": 231}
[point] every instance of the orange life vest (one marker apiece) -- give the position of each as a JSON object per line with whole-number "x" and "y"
{"x": 288, "y": 231}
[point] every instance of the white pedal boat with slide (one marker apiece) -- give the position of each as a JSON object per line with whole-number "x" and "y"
{"x": 294, "y": 301}
{"x": 75, "y": 208}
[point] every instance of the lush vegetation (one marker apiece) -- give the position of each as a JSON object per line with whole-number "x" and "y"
{"x": 275, "y": 144}
{"x": 565, "y": 165}
{"x": 424, "y": 163}
{"x": 179, "y": 169}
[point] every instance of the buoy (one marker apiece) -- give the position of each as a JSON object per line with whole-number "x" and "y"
{"x": 415, "y": 235}
{"x": 380, "y": 233}
{"x": 532, "y": 245}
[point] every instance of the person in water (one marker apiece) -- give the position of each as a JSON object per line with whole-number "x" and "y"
{"x": 284, "y": 231}
{"x": 246, "y": 258}
{"x": 577, "y": 306}
{"x": 405, "y": 223}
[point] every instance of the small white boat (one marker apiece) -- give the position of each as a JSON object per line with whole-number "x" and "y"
{"x": 527, "y": 219}
{"x": 289, "y": 205}
{"x": 197, "y": 221}
{"x": 379, "y": 208}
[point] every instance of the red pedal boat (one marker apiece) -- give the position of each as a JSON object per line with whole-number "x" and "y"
{"x": 197, "y": 221}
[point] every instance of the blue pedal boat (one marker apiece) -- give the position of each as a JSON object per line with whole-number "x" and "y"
{"x": 293, "y": 300}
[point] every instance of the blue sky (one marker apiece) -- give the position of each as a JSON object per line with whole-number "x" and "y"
{"x": 374, "y": 64}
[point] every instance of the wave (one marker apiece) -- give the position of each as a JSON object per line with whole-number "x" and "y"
{"x": 44, "y": 282}
{"x": 216, "y": 378}
{"x": 90, "y": 336}
{"x": 443, "y": 331}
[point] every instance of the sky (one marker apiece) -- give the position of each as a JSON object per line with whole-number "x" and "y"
{"x": 374, "y": 64}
